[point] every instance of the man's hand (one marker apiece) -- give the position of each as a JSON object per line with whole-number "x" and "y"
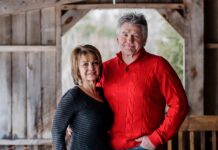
{"x": 69, "y": 131}
{"x": 145, "y": 143}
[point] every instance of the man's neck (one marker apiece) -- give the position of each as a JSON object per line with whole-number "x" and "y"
{"x": 128, "y": 59}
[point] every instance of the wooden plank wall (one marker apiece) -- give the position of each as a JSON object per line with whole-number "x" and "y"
{"x": 28, "y": 79}
{"x": 5, "y": 76}
{"x": 48, "y": 70}
{"x": 19, "y": 79}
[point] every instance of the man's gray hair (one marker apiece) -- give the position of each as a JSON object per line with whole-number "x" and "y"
{"x": 133, "y": 18}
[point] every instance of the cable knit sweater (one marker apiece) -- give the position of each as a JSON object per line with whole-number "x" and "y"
{"x": 138, "y": 94}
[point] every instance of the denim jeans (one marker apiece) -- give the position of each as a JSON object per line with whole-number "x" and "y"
{"x": 137, "y": 148}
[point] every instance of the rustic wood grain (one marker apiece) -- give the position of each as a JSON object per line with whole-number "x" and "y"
{"x": 19, "y": 78}
{"x": 5, "y": 76}
{"x": 17, "y": 6}
{"x": 58, "y": 55}
{"x": 175, "y": 19}
{"x": 48, "y": 71}
{"x": 34, "y": 103}
{"x": 70, "y": 18}
{"x": 26, "y": 48}
{"x": 194, "y": 54}
{"x": 124, "y": 5}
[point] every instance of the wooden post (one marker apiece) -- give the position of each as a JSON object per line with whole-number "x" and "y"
{"x": 194, "y": 54}
{"x": 58, "y": 55}
{"x": 48, "y": 70}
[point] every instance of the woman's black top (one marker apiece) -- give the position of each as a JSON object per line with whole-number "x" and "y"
{"x": 89, "y": 119}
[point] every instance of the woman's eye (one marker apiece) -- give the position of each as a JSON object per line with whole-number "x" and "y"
{"x": 95, "y": 63}
{"x": 85, "y": 64}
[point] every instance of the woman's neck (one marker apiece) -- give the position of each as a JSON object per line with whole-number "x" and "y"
{"x": 90, "y": 89}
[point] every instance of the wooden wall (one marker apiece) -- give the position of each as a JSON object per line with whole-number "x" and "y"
{"x": 28, "y": 78}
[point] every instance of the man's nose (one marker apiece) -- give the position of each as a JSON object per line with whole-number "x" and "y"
{"x": 130, "y": 38}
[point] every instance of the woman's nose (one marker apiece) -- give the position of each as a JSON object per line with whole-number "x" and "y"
{"x": 90, "y": 66}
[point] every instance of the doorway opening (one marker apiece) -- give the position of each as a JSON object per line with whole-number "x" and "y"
{"x": 98, "y": 27}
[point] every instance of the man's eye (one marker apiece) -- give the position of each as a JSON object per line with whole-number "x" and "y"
{"x": 136, "y": 36}
{"x": 124, "y": 34}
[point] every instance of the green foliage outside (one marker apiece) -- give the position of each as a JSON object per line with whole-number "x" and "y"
{"x": 171, "y": 47}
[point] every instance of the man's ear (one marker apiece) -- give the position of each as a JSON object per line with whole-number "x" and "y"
{"x": 145, "y": 40}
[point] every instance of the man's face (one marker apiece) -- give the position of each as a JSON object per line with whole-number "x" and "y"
{"x": 130, "y": 38}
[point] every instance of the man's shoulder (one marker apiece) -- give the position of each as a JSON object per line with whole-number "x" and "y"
{"x": 153, "y": 57}
{"x": 110, "y": 61}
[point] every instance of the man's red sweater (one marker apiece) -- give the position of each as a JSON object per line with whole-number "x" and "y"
{"x": 138, "y": 94}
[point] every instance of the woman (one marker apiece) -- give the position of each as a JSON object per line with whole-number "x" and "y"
{"x": 83, "y": 108}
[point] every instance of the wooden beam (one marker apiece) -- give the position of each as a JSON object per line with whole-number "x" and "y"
{"x": 25, "y": 48}
{"x": 175, "y": 19}
{"x": 194, "y": 54}
{"x": 70, "y": 18}
{"x": 211, "y": 45}
{"x": 14, "y": 6}
{"x": 58, "y": 55}
{"x": 61, "y": 2}
{"x": 26, "y": 142}
{"x": 125, "y": 5}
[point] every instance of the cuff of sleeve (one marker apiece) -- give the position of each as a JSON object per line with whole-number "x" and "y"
{"x": 155, "y": 139}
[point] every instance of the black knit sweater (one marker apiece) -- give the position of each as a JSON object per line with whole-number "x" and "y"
{"x": 89, "y": 119}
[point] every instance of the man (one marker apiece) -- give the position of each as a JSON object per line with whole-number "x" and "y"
{"x": 138, "y": 86}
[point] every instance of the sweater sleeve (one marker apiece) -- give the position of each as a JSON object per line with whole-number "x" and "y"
{"x": 176, "y": 100}
{"x": 65, "y": 111}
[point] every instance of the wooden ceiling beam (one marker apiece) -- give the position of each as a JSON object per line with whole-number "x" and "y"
{"x": 70, "y": 18}
{"x": 27, "y": 48}
{"x": 175, "y": 19}
{"x": 124, "y": 5}
{"x": 15, "y": 6}
{"x": 211, "y": 45}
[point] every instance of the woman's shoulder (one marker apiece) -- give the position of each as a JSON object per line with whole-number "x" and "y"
{"x": 71, "y": 100}
{"x": 71, "y": 93}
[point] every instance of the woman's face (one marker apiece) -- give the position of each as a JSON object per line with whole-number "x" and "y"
{"x": 89, "y": 68}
